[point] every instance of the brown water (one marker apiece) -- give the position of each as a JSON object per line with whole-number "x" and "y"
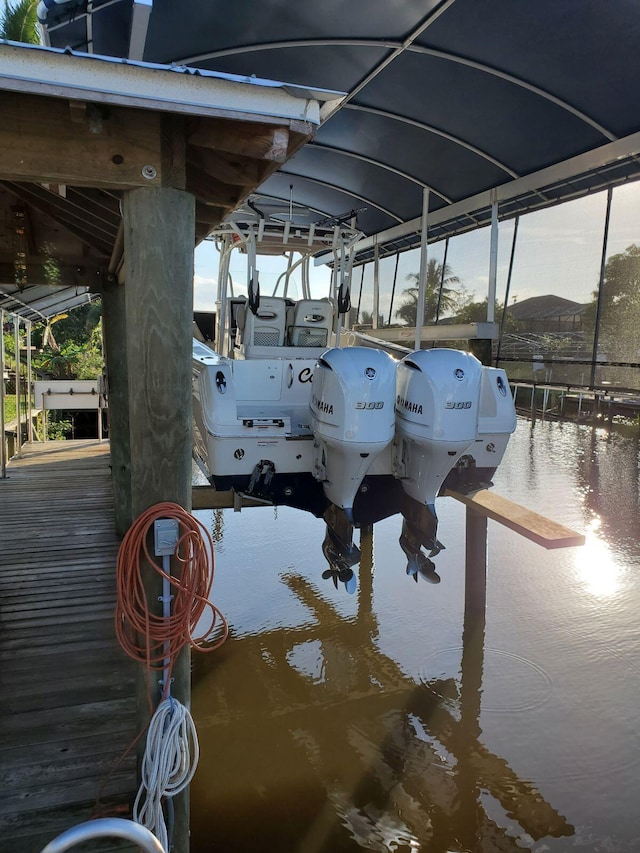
{"x": 386, "y": 721}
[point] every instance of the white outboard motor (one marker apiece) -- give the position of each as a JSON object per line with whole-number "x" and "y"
{"x": 496, "y": 418}
{"x": 352, "y": 418}
{"x": 438, "y": 392}
{"x": 496, "y": 422}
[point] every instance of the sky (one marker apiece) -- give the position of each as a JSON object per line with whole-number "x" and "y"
{"x": 559, "y": 250}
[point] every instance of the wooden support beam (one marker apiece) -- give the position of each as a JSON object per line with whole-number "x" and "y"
{"x": 229, "y": 168}
{"x": 173, "y": 130}
{"x": 209, "y": 214}
{"x": 206, "y": 497}
{"x": 56, "y": 274}
{"x": 543, "y": 531}
{"x": 249, "y": 139}
{"x": 104, "y": 146}
{"x": 90, "y": 230}
{"x": 212, "y": 191}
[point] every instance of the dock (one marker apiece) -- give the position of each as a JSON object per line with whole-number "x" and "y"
{"x": 68, "y": 692}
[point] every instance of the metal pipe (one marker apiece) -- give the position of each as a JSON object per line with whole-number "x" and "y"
{"x": 493, "y": 264}
{"x": 106, "y": 827}
{"x": 3, "y": 446}
{"x": 357, "y": 320}
{"x": 221, "y": 301}
{"x": 376, "y": 286}
{"x": 442, "y": 276}
{"x": 393, "y": 287}
{"x": 29, "y": 385}
{"x": 506, "y": 294}
{"x": 603, "y": 266}
{"x": 422, "y": 283}
{"x": 16, "y": 338}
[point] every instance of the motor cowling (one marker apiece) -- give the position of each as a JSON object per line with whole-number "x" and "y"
{"x": 352, "y": 417}
{"x": 437, "y": 406}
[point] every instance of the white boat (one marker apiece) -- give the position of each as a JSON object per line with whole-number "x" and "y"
{"x": 282, "y": 413}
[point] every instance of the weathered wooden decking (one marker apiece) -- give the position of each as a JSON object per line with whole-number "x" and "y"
{"x": 67, "y": 693}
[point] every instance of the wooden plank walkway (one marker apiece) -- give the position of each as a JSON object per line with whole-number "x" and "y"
{"x": 67, "y": 691}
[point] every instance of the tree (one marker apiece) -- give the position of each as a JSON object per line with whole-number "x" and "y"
{"x": 366, "y": 319}
{"x": 620, "y": 304}
{"x": 19, "y": 21}
{"x": 77, "y": 350}
{"x": 476, "y": 312}
{"x": 408, "y": 310}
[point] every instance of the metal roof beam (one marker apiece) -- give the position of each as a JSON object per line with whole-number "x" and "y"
{"x": 437, "y": 132}
{"x": 343, "y": 153}
{"x": 581, "y": 164}
{"x": 517, "y": 81}
{"x": 139, "y": 27}
{"x": 342, "y": 190}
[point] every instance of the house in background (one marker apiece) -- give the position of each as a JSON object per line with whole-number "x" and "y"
{"x": 550, "y": 313}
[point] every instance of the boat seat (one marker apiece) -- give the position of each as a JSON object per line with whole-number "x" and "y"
{"x": 265, "y": 328}
{"x": 312, "y": 323}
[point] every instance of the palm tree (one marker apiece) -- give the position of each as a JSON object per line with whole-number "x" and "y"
{"x": 436, "y": 276}
{"x": 19, "y": 21}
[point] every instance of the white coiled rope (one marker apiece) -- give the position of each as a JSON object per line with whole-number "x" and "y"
{"x": 168, "y": 766}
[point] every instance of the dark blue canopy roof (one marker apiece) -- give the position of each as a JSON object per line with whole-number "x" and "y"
{"x": 540, "y": 99}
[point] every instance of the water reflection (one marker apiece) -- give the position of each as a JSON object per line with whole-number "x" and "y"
{"x": 596, "y": 566}
{"x": 313, "y": 739}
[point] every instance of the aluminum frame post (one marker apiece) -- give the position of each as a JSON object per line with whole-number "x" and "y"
{"x": 3, "y": 445}
{"x": 376, "y": 286}
{"x": 493, "y": 264}
{"x": 422, "y": 283}
{"x": 16, "y": 338}
{"x": 29, "y": 385}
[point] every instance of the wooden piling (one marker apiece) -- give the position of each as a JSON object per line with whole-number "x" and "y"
{"x": 159, "y": 236}
{"x": 114, "y": 326}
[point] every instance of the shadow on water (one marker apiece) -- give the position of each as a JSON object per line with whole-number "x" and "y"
{"x": 312, "y": 739}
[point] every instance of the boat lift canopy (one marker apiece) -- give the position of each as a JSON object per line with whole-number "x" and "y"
{"x": 527, "y": 103}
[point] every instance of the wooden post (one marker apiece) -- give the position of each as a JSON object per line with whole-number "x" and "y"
{"x": 475, "y": 586}
{"x": 159, "y": 237}
{"x": 471, "y": 674}
{"x": 114, "y": 330}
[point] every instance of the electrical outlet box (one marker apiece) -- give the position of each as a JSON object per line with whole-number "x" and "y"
{"x": 165, "y": 534}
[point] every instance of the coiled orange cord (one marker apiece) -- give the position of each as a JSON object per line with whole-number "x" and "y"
{"x": 152, "y": 638}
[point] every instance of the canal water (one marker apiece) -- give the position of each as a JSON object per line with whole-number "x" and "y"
{"x": 381, "y": 721}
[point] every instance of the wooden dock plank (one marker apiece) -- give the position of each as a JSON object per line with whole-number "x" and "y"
{"x": 68, "y": 693}
{"x": 543, "y": 531}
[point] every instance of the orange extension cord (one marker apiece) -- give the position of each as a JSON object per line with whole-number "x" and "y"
{"x": 152, "y": 638}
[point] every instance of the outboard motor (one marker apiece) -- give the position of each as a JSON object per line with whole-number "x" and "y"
{"x": 352, "y": 396}
{"x": 438, "y": 392}
{"x": 496, "y": 422}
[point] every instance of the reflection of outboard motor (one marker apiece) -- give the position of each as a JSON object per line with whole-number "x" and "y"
{"x": 436, "y": 417}
{"x": 352, "y": 396}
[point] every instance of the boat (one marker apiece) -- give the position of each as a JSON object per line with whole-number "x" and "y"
{"x": 353, "y": 434}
